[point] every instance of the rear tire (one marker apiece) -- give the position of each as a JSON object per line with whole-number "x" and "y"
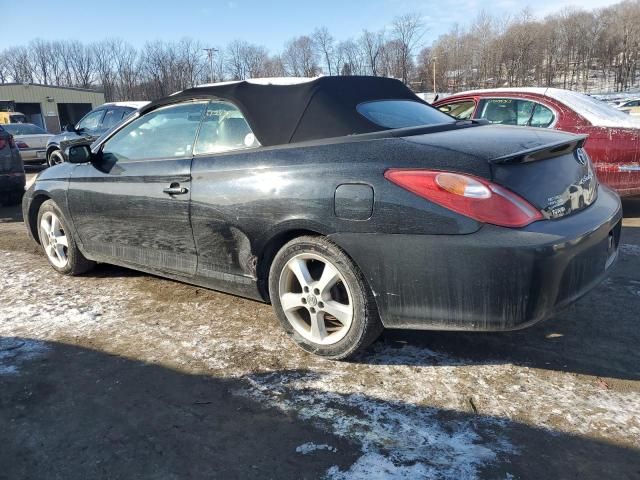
{"x": 58, "y": 243}
{"x": 322, "y": 299}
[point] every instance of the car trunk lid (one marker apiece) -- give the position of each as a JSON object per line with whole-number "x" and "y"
{"x": 558, "y": 178}
{"x": 547, "y": 168}
{"x": 38, "y": 141}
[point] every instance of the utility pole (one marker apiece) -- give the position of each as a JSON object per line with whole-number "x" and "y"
{"x": 434, "y": 74}
{"x": 210, "y": 52}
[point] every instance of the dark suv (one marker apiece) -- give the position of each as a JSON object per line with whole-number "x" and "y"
{"x": 12, "y": 179}
{"x": 89, "y": 128}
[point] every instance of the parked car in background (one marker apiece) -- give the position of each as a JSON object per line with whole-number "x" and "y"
{"x": 31, "y": 140}
{"x": 12, "y": 179}
{"x": 630, "y": 106}
{"x": 12, "y": 117}
{"x": 347, "y": 202}
{"x": 88, "y": 129}
{"x": 614, "y": 137}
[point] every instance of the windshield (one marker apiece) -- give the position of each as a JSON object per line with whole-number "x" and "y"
{"x": 23, "y": 129}
{"x": 401, "y": 113}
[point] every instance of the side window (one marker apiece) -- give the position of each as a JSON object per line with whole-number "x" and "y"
{"x": 127, "y": 111}
{"x": 224, "y": 129}
{"x": 499, "y": 110}
{"x": 460, "y": 110}
{"x": 513, "y": 111}
{"x": 91, "y": 121}
{"x": 112, "y": 117}
{"x": 168, "y": 132}
{"x": 542, "y": 117}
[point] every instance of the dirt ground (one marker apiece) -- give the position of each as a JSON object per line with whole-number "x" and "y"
{"x": 119, "y": 374}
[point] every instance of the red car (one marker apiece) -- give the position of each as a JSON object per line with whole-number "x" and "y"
{"x": 614, "y": 137}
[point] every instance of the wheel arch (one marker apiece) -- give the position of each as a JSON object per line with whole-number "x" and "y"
{"x": 32, "y": 214}
{"x": 54, "y": 148}
{"x": 270, "y": 249}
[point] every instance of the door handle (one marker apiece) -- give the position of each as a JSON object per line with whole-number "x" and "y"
{"x": 175, "y": 189}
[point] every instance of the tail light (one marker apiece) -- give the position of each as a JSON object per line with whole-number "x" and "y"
{"x": 21, "y": 144}
{"x": 467, "y": 195}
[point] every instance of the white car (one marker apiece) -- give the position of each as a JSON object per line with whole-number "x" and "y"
{"x": 631, "y": 107}
{"x": 31, "y": 140}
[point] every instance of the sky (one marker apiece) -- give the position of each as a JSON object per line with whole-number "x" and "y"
{"x": 269, "y": 23}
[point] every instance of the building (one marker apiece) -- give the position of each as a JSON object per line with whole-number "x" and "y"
{"x": 47, "y": 106}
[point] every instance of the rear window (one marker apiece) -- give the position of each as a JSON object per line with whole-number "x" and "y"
{"x": 17, "y": 118}
{"x": 24, "y": 129}
{"x": 401, "y": 113}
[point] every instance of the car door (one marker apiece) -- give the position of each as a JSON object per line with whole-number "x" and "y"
{"x": 222, "y": 170}
{"x": 132, "y": 205}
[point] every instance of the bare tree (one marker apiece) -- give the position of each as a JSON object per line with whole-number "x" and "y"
{"x": 372, "y": 45}
{"x": 300, "y": 57}
{"x": 351, "y": 58}
{"x": 82, "y": 64}
{"x": 41, "y": 58}
{"x": 574, "y": 48}
{"x": 324, "y": 42}
{"x": 408, "y": 31}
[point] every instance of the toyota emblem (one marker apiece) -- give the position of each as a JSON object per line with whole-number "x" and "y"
{"x": 581, "y": 157}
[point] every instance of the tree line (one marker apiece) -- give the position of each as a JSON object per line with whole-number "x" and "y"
{"x": 596, "y": 50}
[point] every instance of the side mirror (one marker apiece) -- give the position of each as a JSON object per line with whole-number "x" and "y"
{"x": 79, "y": 154}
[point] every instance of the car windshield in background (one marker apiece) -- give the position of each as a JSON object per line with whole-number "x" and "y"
{"x": 401, "y": 113}
{"x": 24, "y": 129}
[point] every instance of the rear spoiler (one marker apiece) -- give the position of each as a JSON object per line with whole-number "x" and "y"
{"x": 542, "y": 152}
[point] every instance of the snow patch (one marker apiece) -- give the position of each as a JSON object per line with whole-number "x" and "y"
{"x": 628, "y": 249}
{"x": 264, "y": 81}
{"x": 310, "y": 447}
{"x": 398, "y": 439}
{"x": 16, "y": 351}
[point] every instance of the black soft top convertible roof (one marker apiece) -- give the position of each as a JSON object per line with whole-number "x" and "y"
{"x": 310, "y": 110}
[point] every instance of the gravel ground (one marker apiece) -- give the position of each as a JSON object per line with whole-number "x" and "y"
{"x": 119, "y": 374}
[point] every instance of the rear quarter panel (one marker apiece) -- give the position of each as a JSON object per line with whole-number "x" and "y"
{"x": 616, "y": 155}
{"x": 241, "y": 201}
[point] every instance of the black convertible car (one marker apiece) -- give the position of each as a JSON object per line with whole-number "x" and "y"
{"x": 346, "y": 202}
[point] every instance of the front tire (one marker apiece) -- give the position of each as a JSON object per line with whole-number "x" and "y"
{"x": 58, "y": 243}
{"x": 55, "y": 158}
{"x": 322, "y": 299}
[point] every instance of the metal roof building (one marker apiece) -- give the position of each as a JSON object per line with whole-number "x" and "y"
{"x": 48, "y": 106}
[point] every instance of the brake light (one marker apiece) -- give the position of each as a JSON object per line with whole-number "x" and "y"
{"x": 467, "y": 195}
{"x": 21, "y": 144}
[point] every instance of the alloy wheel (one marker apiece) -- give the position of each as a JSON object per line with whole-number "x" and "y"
{"x": 55, "y": 158}
{"x": 54, "y": 240}
{"x": 316, "y": 299}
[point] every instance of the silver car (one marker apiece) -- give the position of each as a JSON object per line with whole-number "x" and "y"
{"x": 31, "y": 140}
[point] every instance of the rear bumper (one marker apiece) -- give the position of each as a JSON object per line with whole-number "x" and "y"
{"x": 494, "y": 279}
{"x": 33, "y": 155}
{"x": 12, "y": 182}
